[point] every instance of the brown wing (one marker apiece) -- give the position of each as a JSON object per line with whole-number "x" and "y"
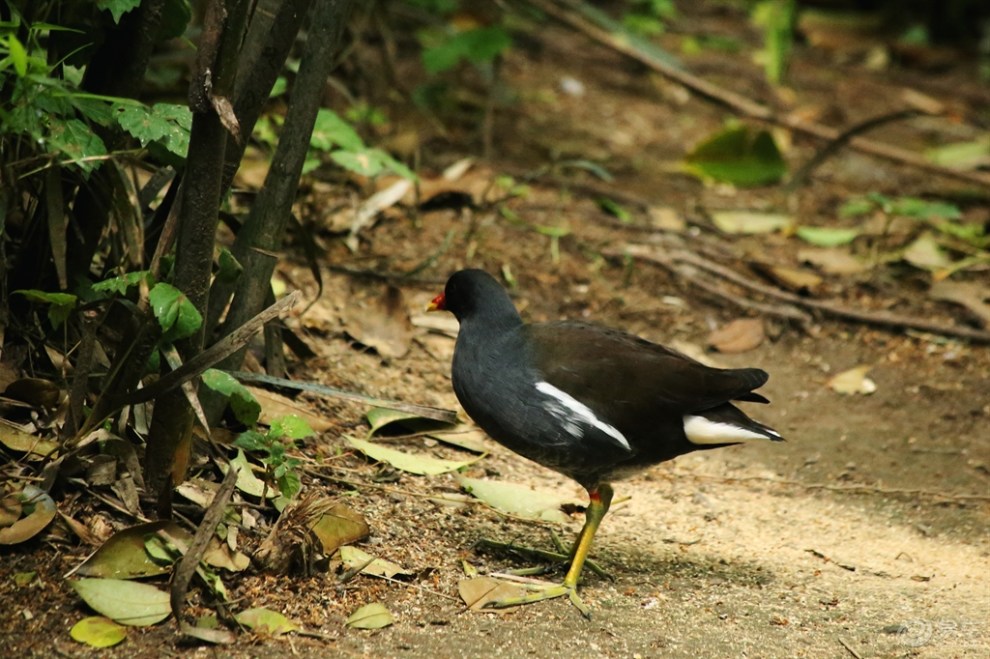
{"x": 630, "y": 377}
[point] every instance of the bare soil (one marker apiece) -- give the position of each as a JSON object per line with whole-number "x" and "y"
{"x": 864, "y": 535}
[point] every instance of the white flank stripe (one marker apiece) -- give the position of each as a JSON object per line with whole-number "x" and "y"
{"x": 569, "y": 409}
{"x": 700, "y": 430}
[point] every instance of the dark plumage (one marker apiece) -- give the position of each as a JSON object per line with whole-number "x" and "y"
{"x": 588, "y": 401}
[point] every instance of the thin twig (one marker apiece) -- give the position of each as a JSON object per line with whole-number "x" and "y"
{"x": 425, "y": 411}
{"x": 671, "y": 260}
{"x": 849, "y": 648}
{"x": 568, "y": 12}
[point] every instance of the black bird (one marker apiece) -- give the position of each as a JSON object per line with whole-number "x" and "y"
{"x": 593, "y": 403}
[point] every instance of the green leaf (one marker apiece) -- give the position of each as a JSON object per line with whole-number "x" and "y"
{"x": 408, "y": 462}
{"x": 477, "y": 46}
{"x": 76, "y": 140}
{"x": 120, "y": 284}
{"x": 962, "y": 155}
{"x": 921, "y": 209}
{"x": 518, "y": 499}
{"x": 175, "y": 313}
{"x": 827, "y": 236}
{"x": 857, "y": 207}
{"x": 615, "y": 209}
{"x": 98, "y": 632}
{"x": 117, "y": 7}
{"x": 330, "y": 131}
{"x": 265, "y": 621}
{"x": 125, "y": 556}
{"x": 60, "y": 305}
{"x": 738, "y": 156}
{"x": 289, "y": 426}
{"x": 229, "y": 268}
{"x": 18, "y": 55}
{"x": 370, "y": 616}
{"x": 126, "y": 602}
{"x": 166, "y": 124}
{"x": 242, "y": 402}
{"x": 252, "y": 440}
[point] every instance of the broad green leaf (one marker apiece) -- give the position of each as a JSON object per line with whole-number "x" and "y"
{"x": 518, "y": 499}
{"x": 98, "y": 632}
{"x": 370, "y": 616}
{"x": 60, "y": 305}
{"x": 408, "y": 462}
{"x": 751, "y": 222}
{"x": 127, "y": 602}
{"x": 242, "y": 402}
{"x": 357, "y": 559}
{"x": 120, "y": 284}
{"x": 229, "y": 268}
{"x": 738, "y": 156}
{"x": 38, "y": 511}
{"x": 18, "y": 55}
{"x": 289, "y": 426}
{"x": 252, "y": 440}
{"x": 175, "y": 313}
{"x": 77, "y": 142}
{"x": 163, "y": 123}
{"x": 331, "y": 131}
{"x": 827, "y": 236}
{"x": 118, "y": 7}
{"x": 125, "y": 556}
{"x": 265, "y": 621}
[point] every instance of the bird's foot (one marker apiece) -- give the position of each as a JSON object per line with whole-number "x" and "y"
{"x": 539, "y": 592}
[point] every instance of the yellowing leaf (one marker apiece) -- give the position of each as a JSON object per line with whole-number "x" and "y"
{"x": 370, "y": 616}
{"x": 98, "y": 632}
{"x": 266, "y": 621}
{"x": 126, "y": 602}
{"x": 354, "y": 558}
{"x": 124, "y": 555}
{"x": 518, "y": 499}
{"x": 414, "y": 464}
{"x": 479, "y": 591}
{"x": 751, "y": 222}
{"x": 23, "y": 442}
{"x": 826, "y": 236}
{"x": 339, "y": 526}
{"x": 853, "y": 381}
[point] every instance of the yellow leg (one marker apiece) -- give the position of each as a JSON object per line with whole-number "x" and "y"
{"x": 601, "y": 499}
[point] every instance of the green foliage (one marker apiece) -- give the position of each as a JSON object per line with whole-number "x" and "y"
{"x": 478, "y": 45}
{"x": 60, "y": 305}
{"x": 942, "y": 216}
{"x": 648, "y": 17}
{"x": 118, "y": 7}
{"x": 335, "y": 136}
{"x": 739, "y": 156}
{"x": 164, "y": 123}
{"x": 776, "y": 17}
{"x": 175, "y": 313}
{"x": 273, "y": 449}
{"x": 121, "y": 284}
{"x": 242, "y": 402}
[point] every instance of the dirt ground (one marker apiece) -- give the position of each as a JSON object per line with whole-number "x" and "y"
{"x": 864, "y": 535}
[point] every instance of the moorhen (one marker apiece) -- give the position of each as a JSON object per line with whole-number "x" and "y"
{"x": 593, "y": 403}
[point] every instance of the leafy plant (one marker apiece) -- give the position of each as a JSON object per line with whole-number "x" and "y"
{"x": 272, "y": 447}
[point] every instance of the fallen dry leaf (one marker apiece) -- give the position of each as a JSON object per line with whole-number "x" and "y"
{"x": 740, "y": 335}
{"x": 971, "y": 295}
{"x": 479, "y": 591}
{"x": 832, "y": 260}
{"x": 380, "y": 322}
{"x": 853, "y": 381}
{"x": 794, "y": 279}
